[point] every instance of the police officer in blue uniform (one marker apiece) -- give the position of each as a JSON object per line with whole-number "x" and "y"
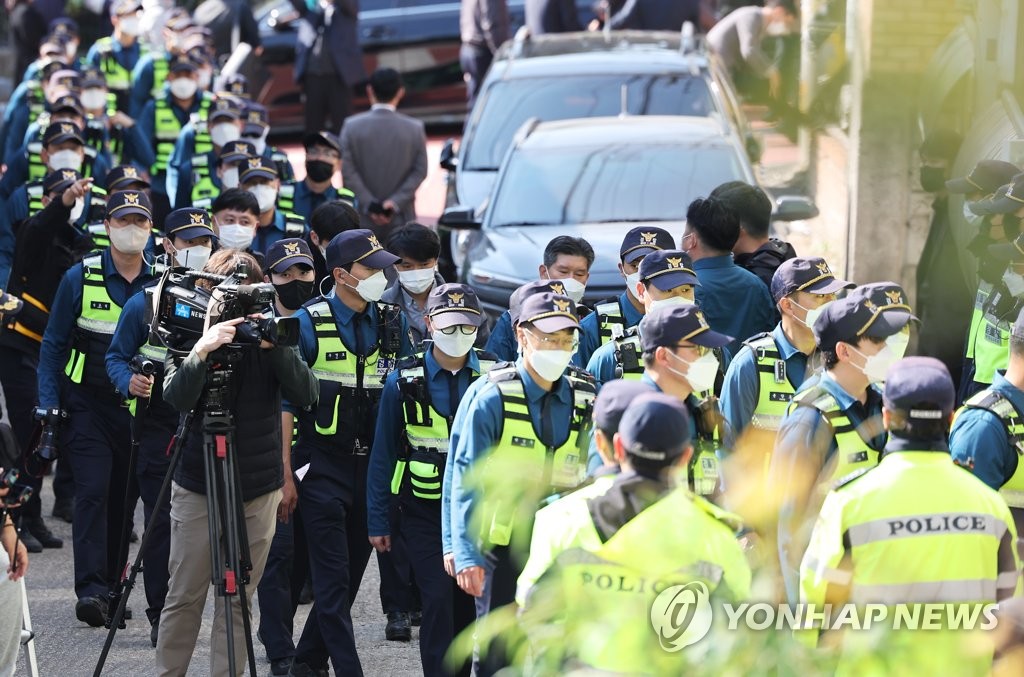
{"x": 260, "y": 178}
{"x": 502, "y": 343}
{"x": 323, "y": 162}
{"x": 410, "y": 450}
{"x": 72, "y": 376}
{"x": 188, "y": 242}
{"x": 612, "y": 318}
{"x": 191, "y": 169}
{"x": 351, "y": 342}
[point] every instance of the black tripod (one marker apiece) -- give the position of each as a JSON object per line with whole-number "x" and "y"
{"x": 230, "y": 561}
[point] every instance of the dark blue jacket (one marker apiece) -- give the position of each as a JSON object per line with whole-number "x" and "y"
{"x": 342, "y": 39}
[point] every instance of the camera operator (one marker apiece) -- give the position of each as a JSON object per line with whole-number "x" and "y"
{"x": 259, "y": 379}
{"x": 46, "y": 246}
{"x": 189, "y": 237}
{"x": 72, "y": 373}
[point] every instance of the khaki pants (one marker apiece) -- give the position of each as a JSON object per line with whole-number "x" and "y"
{"x": 189, "y": 568}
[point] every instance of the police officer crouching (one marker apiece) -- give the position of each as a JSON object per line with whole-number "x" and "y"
{"x": 188, "y": 242}
{"x": 630, "y": 534}
{"x": 72, "y": 375}
{"x": 410, "y": 451}
{"x": 915, "y": 507}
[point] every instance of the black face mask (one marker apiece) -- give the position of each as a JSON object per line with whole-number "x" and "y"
{"x": 933, "y": 179}
{"x": 293, "y": 294}
{"x": 318, "y": 170}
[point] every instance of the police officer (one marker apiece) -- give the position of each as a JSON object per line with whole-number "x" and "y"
{"x": 523, "y": 436}
{"x": 988, "y": 431}
{"x": 409, "y": 455}
{"x": 188, "y": 242}
{"x": 323, "y": 162}
{"x": 190, "y": 170}
{"x": 72, "y": 375}
{"x": 833, "y": 425}
{"x": 666, "y": 278}
{"x": 109, "y": 130}
{"x": 235, "y": 217}
{"x": 255, "y": 131}
{"x": 260, "y": 179}
{"x": 352, "y": 343}
{"x": 612, "y": 318}
{"x": 628, "y": 534}
{"x": 118, "y": 54}
{"x": 771, "y": 367}
{"x": 232, "y": 159}
{"x": 149, "y": 77}
{"x": 914, "y": 506}
{"x": 503, "y": 343}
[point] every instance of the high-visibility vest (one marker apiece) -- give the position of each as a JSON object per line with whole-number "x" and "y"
{"x": 853, "y": 451}
{"x": 94, "y": 329}
{"x": 161, "y": 69}
{"x": 611, "y": 321}
{"x": 992, "y": 344}
{"x": 977, "y": 317}
{"x": 774, "y": 389}
{"x": 542, "y": 470}
{"x": 1000, "y": 406}
{"x": 421, "y": 461}
{"x": 350, "y": 385}
{"x": 202, "y": 147}
{"x": 119, "y": 78}
{"x": 167, "y": 129}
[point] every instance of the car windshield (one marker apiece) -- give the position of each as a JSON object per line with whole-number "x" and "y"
{"x": 561, "y": 98}
{"x": 614, "y": 182}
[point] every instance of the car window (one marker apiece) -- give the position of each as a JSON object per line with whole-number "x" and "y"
{"x": 614, "y": 182}
{"x": 562, "y": 98}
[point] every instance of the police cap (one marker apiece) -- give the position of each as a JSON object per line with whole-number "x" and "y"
{"x": 453, "y": 304}
{"x": 986, "y": 176}
{"x": 60, "y": 180}
{"x": 877, "y": 310}
{"x": 655, "y": 428}
{"x": 237, "y": 84}
{"x": 257, "y": 168}
{"x": 125, "y": 202}
{"x": 189, "y": 223}
{"x": 237, "y": 151}
{"x": 667, "y": 269}
{"x": 225, "y": 107}
{"x": 1006, "y": 200}
{"x": 63, "y": 25}
{"x": 920, "y": 388}
{"x": 549, "y": 312}
{"x": 667, "y": 326}
{"x": 643, "y": 240}
{"x": 59, "y": 132}
{"x": 257, "y": 119}
{"x": 93, "y": 77}
{"x": 183, "y": 63}
{"x": 124, "y": 177}
{"x": 321, "y": 138}
{"x": 288, "y": 252}
{"x": 811, "y": 275}
{"x": 614, "y": 399}
{"x": 515, "y": 301}
{"x": 68, "y": 102}
{"x": 358, "y": 246}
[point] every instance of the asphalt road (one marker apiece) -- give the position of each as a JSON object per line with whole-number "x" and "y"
{"x": 67, "y": 647}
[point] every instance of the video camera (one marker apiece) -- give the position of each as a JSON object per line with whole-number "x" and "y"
{"x": 46, "y": 450}
{"x": 183, "y": 311}
{"x": 18, "y": 495}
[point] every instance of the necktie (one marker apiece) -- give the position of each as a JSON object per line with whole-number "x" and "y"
{"x": 547, "y": 431}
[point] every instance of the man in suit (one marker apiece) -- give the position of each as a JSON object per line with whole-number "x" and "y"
{"x": 384, "y": 157}
{"x": 551, "y": 16}
{"x": 328, "y": 61}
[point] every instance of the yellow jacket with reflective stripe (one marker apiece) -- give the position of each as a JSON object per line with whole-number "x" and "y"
{"x": 914, "y": 530}
{"x": 853, "y": 452}
{"x": 774, "y": 392}
{"x": 991, "y": 348}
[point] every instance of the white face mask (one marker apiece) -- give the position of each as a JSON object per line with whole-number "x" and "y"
{"x": 573, "y": 288}
{"x": 94, "y": 98}
{"x": 265, "y": 195}
{"x": 235, "y": 236}
{"x": 632, "y": 280}
{"x": 183, "y": 88}
{"x": 417, "y": 281}
{"x": 776, "y": 29}
{"x": 876, "y": 366}
{"x": 194, "y": 257}
{"x": 76, "y": 210}
{"x": 812, "y": 313}
{"x": 224, "y": 133}
{"x": 454, "y": 345}
{"x": 970, "y": 217}
{"x": 260, "y": 142}
{"x": 550, "y": 364}
{"x": 701, "y": 372}
{"x": 229, "y": 177}
{"x": 1014, "y": 283}
{"x": 66, "y": 159}
{"x": 129, "y": 25}
{"x": 129, "y": 239}
{"x": 372, "y": 288}
{"x": 670, "y": 301}
{"x": 898, "y": 343}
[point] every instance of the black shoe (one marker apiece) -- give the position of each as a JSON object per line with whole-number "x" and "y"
{"x": 303, "y": 670}
{"x": 37, "y": 527}
{"x": 415, "y": 618}
{"x": 398, "y": 628}
{"x": 154, "y": 632}
{"x": 281, "y": 666}
{"x": 306, "y": 594}
{"x": 92, "y": 610}
{"x": 32, "y": 543}
{"x": 63, "y": 508}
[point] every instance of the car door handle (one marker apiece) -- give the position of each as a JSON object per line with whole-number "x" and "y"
{"x": 379, "y": 31}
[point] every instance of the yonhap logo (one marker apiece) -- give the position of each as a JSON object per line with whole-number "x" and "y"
{"x": 181, "y": 310}
{"x": 681, "y": 615}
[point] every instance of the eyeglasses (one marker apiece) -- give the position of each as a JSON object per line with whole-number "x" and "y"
{"x": 701, "y": 350}
{"x": 562, "y": 343}
{"x": 466, "y": 329}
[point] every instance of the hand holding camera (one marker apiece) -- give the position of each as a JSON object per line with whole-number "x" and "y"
{"x": 216, "y": 336}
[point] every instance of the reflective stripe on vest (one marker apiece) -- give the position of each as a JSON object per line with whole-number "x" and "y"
{"x": 997, "y": 403}
{"x": 118, "y": 77}
{"x": 95, "y": 323}
{"x": 544, "y": 469}
{"x": 161, "y": 68}
{"x": 774, "y": 388}
{"x": 991, "y": 348}
{"x": 286, "y": 197}
{"x": 294, "y": 225}
{"x": 610, "y": 322}
{"x": 977, "y": 317}
{"x": 36, "y": 166}
{"x": 167, "y": 129}
{"x": 852, "y": 452}
{"x": 202, "y": 184}
{"x": 35, "y": 198}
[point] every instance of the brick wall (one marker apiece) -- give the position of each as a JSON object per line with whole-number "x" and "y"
{"x": 905, "y": 33}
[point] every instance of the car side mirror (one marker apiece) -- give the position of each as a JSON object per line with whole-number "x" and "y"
{"x": 459, "y": 218}
{"x": 794, "y": 208}
{"x": 449, "y": 160}
{"x": 753, "y": 147}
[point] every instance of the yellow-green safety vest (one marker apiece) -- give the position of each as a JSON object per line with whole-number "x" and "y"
{"x": 161, "y": 68}
{"x": 991, "y": 347}
{"x": 1003, "y": 409}
{"x": 774, "y": 389}
{"x": 977, "y": 317}
{"x": 611, "y": 323}
{"x": 119, "y": 78}
{"x": 545, "y": 469}
{"x": 853, "y": 452}
{"x": 167, "y": 129}
{"x": 95, "y": 327}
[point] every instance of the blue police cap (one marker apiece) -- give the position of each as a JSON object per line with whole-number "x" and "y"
{"x": 358, "y": 246}
{"x": 125, "y": 202}
{"x": 189, "y": 223}
{"x": 986, "y": 176}
{"x": 288, "y": 252}
{"x": 643, "y": 240}
{"x": 123, "y": 177}
{"x": 257, "y": 168}
{"x": 613, "y": 401}
{"x": 667, "y": 269}
{"x": 60, "y": 180}
{"x": 920, "y": 388}
{"x": 877, "y": 310}
{"x": 515, "y": 301}
{"x": 238, "y": 151}
{"x": 668, "y": 326}
{"x": 655, "y": 428}
{"x": 811, "y": 275}
{"x": 549, "y": 312}
{"x": 59, "y": 132}
{"x": 453, "y": 304}
{"x": 1007, "y": 199}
